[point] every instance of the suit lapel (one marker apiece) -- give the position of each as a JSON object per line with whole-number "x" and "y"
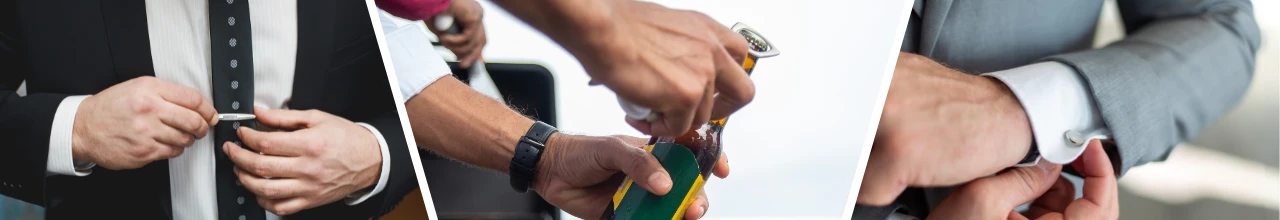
{"x": 315, "y": 47}
{"x": 126, "y": 27}
{"x": 933, "y": 17}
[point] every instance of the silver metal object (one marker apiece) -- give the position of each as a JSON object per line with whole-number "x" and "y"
{"x": 758, "y": 46}
{"x": 236, "y": 117}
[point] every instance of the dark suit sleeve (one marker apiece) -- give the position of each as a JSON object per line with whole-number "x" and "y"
{"x": 25, "y": 121}
{"x": 1183, "y": 65}
{"x": 401, "y": 179}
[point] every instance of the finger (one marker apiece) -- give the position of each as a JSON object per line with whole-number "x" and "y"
{"x": 1014, "y": 215}
{"x": 644, "y": 127}
{"x": 187, "y": 98}
{"x": 722, "y": 166}
{"x": 276, "y": 188}
{"x": 285, "y": 206}
{"x": 161, "y": 151}
{"x": 1100, "y": 200}
{"x": 261, "y": 165}
{"x": 460, "y": 39}
{"x": 1056, "y": 199}
{"x": 1018, "y": 186}
{"x": 1051, "y": 216}
{"x": 638, "y": 164}
{"x": 698, "y": 208}
{"x": 999, "y": 194}
{"x": 282, "y": 143}
{"x": 734, "y": 88}
{"x": 172, "y": 137}
{"x": 472, "y": 56}
{"x": 286, "y": 119}
{"x": 184, "y": 120}
{"x": 703, "y": 113}
{"x": 734, "y": 43}
{"x": 673, "y": 122}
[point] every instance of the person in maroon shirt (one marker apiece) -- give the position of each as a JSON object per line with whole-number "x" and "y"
{"x": 682, "y": 64}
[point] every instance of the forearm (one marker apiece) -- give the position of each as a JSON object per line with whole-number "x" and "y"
{"x": 453, "y": 120}
{"x": 1197, "y": 61}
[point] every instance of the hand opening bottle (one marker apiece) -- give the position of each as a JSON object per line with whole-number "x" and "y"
{"x": 689, "y": 158}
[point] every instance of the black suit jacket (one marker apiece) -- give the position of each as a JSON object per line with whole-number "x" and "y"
{"x": 63, "y": 48}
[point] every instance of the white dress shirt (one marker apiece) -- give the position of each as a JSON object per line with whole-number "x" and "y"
{"x": 417, "y": 64}
{"x": 1063, "y": 114}
{"x": 179, "y": 34}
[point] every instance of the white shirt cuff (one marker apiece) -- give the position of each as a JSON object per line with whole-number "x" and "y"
{"x": 1063, "y": 114}
{"x": 358, "y": 197}
{"x": 60, "y": 160}
{"x": 414, "y": 60}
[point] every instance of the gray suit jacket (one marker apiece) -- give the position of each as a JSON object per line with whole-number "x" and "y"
{"x": 1182, "y": 64}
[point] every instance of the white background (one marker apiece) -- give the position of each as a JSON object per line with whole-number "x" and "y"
{"x": 793, "y": 150}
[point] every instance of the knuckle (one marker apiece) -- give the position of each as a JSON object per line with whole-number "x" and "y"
{"x": 265, "y": 144}
{"x": 141, "y": 105}
{"x": 1028, "y": 183}
{"x": 176, "y": 152}
{"x": 139, "y": 126}
{"x": 313, "y": 171}
{"x": 313, "y": 113}
{"x": 187, "y": 140}
{"x": 688, "y": 95}
{"x": 146, "y": 81}
{"x": 139, "y": 152}
{"x": 260, "y": 170}
{"x": 270, "y": 192}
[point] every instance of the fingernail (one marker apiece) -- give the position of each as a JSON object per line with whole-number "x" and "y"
{"x": 705, "y": 207}
{"x": 660, "y": 180}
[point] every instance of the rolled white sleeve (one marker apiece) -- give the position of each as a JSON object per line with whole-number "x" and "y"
{"x": 358, "y": 197}
{"x": 1063, "y": 114}
{"x": 414, "y": 59}
{"x": 60, "y": 160}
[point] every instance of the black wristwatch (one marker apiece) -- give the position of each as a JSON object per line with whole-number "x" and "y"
{"x": 1033, "y": 156}
{"x": 524, "y": 163}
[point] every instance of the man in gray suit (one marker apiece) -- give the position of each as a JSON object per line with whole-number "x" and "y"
{"x": 1043, "y": 94}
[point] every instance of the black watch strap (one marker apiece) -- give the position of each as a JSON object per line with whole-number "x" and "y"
{"x": 528, "y": 151}
{"x": 1032, "y": 156}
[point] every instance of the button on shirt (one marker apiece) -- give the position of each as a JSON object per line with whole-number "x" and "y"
{"x": 179, "y": 34}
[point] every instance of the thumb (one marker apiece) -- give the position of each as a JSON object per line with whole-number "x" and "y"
{"x": 998, "y": 195}
{"x": 643, "y": 168}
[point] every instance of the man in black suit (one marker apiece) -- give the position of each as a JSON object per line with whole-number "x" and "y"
{"x": 130, "y": 110}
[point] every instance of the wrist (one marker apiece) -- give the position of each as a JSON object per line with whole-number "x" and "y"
{"x": 1011, "y": 115}
{"x": 79, "y": 130}
{"x": 374, "y": 171}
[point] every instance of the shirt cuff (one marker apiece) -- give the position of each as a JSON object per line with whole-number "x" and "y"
{"x": 414, "y": 60}
{"x": 358, "y": 197}
{"x": 60, "y": 160}
{"x": 1062, "y": 112}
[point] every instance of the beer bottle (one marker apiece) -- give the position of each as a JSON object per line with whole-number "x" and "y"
{"x": 689, "y": 158}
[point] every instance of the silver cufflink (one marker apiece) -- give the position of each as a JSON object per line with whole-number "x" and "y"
{"x": 1074, "y": 137}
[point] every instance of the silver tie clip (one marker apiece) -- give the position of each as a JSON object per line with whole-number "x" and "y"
{"x": 236, "y": 117}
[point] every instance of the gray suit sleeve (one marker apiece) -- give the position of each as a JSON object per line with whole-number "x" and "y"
{"x": 1183, "y": 64}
